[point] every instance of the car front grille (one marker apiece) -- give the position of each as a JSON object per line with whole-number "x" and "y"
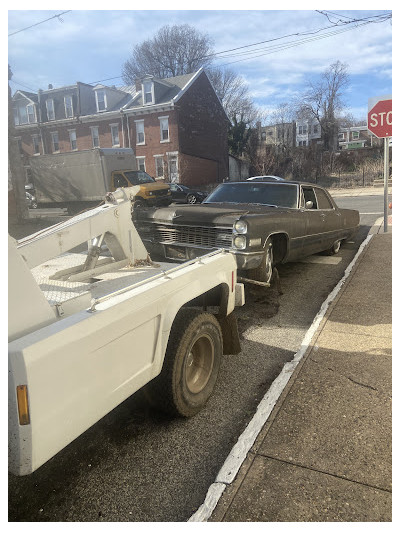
{"x": 161, "y": 192}
{"x": 201, "y": 236}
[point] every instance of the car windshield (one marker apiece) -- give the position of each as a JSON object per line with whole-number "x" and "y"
{"x": 136, "y": 177}
{"x": 255, "y": 193}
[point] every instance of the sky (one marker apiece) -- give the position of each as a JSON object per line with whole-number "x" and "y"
{"x": 91, "y": 44}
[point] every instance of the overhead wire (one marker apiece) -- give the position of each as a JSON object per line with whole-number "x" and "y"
{"x": 41, "y": 22}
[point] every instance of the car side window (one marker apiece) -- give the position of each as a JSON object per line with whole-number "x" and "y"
{"x": 309, "y": 196}
{"x": 120, "y": 181}
{"x": 322, "y": 199}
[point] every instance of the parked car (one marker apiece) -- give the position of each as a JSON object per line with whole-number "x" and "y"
{"x": 265, "y": 178}
{"x": 263, "y": 223}
{"x": 183, "y": 194}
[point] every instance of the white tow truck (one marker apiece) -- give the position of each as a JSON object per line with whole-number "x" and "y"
{"x": 88, "y": 331}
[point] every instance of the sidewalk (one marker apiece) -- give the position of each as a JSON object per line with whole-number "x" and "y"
{"x": 324, "y": 454}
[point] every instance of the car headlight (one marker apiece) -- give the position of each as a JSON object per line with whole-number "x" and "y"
{"x": 239, "y": 242}
{"x": 151, "y": 193}
{"x": 240, "y": 226}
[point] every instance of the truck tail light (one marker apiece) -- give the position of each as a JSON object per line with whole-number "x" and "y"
{"x": 23, "y": 407}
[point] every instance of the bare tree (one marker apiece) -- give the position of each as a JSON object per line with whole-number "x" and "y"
{"x": 173, "y": 51}
{"x": 233, "y": 92}
{"x": 323, "y": 101}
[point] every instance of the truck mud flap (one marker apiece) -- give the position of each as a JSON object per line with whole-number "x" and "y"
{"x": 230, "y": 334}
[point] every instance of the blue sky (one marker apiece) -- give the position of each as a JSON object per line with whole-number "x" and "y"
{"x": 89, "y": 45}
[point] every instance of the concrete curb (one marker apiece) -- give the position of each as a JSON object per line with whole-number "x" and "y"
{"x": 240, "y": 451}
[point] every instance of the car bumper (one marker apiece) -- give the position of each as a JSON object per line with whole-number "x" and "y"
{"x": 245, "y": 260}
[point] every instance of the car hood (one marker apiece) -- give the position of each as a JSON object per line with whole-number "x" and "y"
{"x": 202, "y": 214}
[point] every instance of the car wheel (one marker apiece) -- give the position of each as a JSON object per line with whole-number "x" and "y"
{"x": 138, "y": 203}
{"x": 191, "y": 364}
{"x": 191, "y": 199}
{"x": 334, "y": 249}
{"x": 265, "y": 269}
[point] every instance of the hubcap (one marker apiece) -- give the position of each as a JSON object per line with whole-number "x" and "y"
{"x": 199, "y": 364}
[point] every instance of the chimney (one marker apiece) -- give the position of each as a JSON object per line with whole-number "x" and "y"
{"x": 138, "y": 84}
{"x": 50, "y": 86}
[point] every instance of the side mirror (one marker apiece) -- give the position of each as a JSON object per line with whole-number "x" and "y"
{"x": 309, "y": 204}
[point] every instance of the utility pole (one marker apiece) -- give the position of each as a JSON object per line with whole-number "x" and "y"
{"x": 15, "y": 165}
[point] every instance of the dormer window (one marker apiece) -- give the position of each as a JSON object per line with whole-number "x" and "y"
{"x": 69, "y": 110}
{"x": 24, "y": 114}
{"x": 50, "y": 109}
{"x": 101, "y": 100}
{"x": 148, "y": 92}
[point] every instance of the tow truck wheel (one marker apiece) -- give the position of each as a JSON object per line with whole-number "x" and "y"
{"x": 191, "y": 364}
{"x": 138, "y": 203}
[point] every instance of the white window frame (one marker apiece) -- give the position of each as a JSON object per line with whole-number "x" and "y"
{"x": 97, "y": 100}
{"x": 53, "y": 144}
{"x": 151, "y": 92}
{"x": 71, "y": 106}
{"x": 112, "y": 126}
{"x": 92, "y": 129}
{"x": 140, "y": 126}
{"x": 72, "y": 134}
{"x": 341, "y": 136}
{"x": 141, "y": 159}
{"x": 156, "y": 158}
{"x": 51, "y": 114}
{"x": 172, "y": 156}
{"x": 161, "y": 119}
{"x": 33, "y": 113}
{"x": 355, "y": 135}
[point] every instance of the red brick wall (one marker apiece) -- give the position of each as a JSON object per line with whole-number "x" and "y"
{"x": 203, "y": 130}
{"x": 196, "y": 171}
{"x": 152, "y": 145}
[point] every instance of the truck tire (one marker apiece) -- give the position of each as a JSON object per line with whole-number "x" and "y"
{"x": 191, "y": 364}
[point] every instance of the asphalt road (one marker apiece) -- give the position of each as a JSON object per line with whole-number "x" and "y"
{"x": 138, "y": 465}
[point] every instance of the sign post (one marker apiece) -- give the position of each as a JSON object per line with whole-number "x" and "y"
{"x": 380, "y": 125}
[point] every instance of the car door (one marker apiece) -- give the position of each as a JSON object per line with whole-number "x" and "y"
{"x": 315, "y": 221}
{"x": 331, "y": 217}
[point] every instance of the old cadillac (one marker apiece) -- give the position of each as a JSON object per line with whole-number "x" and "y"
{"x": 262, "y": 223}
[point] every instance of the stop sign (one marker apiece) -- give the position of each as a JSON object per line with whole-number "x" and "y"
{"x": 380, "y": 116}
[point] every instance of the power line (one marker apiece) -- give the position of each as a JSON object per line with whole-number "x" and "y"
{"x": 41, "y": 22}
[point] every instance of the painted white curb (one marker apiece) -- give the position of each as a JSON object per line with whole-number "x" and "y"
{"x": 234, "y": 461}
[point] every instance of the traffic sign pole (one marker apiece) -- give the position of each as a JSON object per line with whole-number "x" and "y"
{"x": 385, "y": 183}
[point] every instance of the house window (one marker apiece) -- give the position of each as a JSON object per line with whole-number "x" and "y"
{"x": 303, "y": 130}
{"x": 315, "y": 128}
{"x": 114, "y": 134}
{"x": 139, "y": 131}
{"x": 69, "y": 110}
{"x": 141, "y": 164}
{"x": 159, "y": 161}
{"x": 50, "y": 109}
{"x": 36, "y": 144}
{"x": 54, "y": 141}
{"x": 302, "y": 143}
{"x": 164, "y": 129}
{"x": 24, "y": 114}
{"x": 31, "y": 113}
{"x": 341, "y": 136}
{"x": 263, "y": 136}
{"x": 72, "y": 139}
{"x": 95, "y": 137}
{"x": 101, "y": 100}
{"x": 356, "y": 134}
{"x": 148, "y": 93}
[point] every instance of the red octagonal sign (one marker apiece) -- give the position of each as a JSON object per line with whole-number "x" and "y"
{"x": 380, "y": 117}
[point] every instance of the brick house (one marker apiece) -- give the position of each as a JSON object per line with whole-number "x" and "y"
{"x": 357, "y": 137}
{"x": 176, "y": 126}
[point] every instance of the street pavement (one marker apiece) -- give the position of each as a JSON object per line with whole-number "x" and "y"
{"x": 324, "y": 452}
